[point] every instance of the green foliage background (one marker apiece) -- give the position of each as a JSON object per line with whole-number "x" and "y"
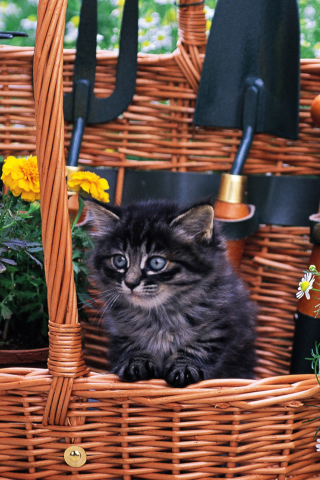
{"x": 158, "y": 23}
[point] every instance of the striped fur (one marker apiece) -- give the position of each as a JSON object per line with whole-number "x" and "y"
{"x": 173, "y": 306}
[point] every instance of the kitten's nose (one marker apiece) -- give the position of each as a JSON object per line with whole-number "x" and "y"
{"x": 132, "y": 283}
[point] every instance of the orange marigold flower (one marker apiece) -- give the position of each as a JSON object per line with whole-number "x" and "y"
{"x": 90, "y": 183}
{"x": 21, "y": 176}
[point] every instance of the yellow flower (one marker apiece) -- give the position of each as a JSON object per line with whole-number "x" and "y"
{"x": 90, "y": 183}
{"x": 21, "y": 176}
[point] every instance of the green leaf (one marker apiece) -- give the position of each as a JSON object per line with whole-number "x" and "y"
{"x": 34, "y": 259}
{"x": 77, "y": 254}
{"x": 80, "y": 209}
{"x": 2, "y": 268}
{"x": 7, "y": 260}
{"x": 15, "y": 244}
{"x": 5, "y": 312}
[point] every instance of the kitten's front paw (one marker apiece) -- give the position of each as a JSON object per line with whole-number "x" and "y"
{"x": 138, "y": 368}
{"x": 180, "y": 374}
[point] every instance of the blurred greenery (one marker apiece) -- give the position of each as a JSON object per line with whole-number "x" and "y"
{"x": 157, "y": 23}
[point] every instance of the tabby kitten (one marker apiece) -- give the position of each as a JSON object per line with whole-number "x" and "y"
{"x": 173, "y": 306}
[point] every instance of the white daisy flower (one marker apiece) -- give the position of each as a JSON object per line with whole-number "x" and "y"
{"x": 147, "y": 46}
{"x": 209, "y": 12}
{"x": 9, "y": 8}
{"x": 71, "y": 32}
{"x": 29, "y": 23}
{"x": 99, "y": 37}
{"x": 318, "y": 445}
{"x": 310, "y": 23}
{"x": 309, "y": 12}
{"x": 305, "y": 285}
{"x": 303, "y": 41}
{"x": 163, "y": 2}
{"x": 316, "y": 50}
{"x": 150, "y": 20}
{"x": 116, "y": 12}
{"x": 161, "y": 37}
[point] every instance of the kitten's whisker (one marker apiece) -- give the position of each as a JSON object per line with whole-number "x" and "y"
{"x": 114, "y": 301}
{"x": 111, "y": 297}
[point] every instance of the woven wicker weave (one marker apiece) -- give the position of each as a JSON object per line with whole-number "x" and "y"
{"x": 255, "y": 430}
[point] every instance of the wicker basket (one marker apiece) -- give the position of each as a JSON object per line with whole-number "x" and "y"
{"x": 253, "y": 429}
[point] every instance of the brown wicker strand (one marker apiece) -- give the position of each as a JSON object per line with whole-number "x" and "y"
{"x": 65, "y": 350}
{"x": 50, "y": 153}
{"x": 56, "y": 233}
{"x": 192, "y": 23}
{"x": 187, "y": 67}
{"x": 192, "y": 41}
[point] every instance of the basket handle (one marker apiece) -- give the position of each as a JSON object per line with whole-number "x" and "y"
{"x": 192, "y": 40}
{"x": 64, "y": 331}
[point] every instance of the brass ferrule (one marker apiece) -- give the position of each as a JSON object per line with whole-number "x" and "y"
{"x": 233, "y": 188}
{"x": 73, "y": 169}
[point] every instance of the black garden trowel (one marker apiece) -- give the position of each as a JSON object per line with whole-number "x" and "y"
{"x": 81, "y": 106}
{"x": 250, "y": 81}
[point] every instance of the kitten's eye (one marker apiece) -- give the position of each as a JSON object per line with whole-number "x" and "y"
{"x": 157, "y": 263}
{"x": 119, "y": 261}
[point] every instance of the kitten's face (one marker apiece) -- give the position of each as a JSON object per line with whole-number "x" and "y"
{"x": 148, "y": 256}
{"x": 140, "y": 276}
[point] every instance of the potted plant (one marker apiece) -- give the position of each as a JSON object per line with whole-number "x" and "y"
{"x": 23, "y": 292}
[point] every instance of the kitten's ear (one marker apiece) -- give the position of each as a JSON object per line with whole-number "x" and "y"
{"x": 101, "y": 218}
{"x": 196, "y": 223}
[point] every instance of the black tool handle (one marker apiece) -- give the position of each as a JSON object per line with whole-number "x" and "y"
{"x": 81, "y": 105}
{"x": 250, "y": 115}
{"x": 81, "y": 108}
{"x": 10, "y": 35}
